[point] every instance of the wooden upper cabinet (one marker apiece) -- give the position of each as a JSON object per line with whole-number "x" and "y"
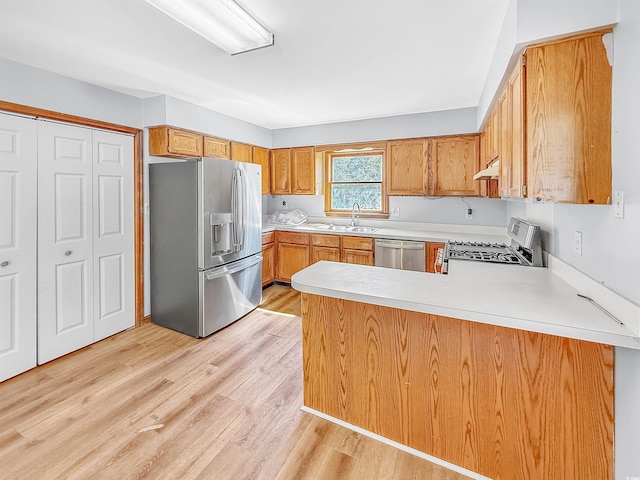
{"x": 516, "y": 164}
{"x": 241, "y": 152}
{"x": 493, "y": 137}
{"x": 216, "y": 147}
{"x": 504, "y": 113}
{"x": 281, "y": 171}
{"x": 165, "y": 141}
{"x": 293, "y": 171}
{"x": 568, "y": 115}
{"x": 406, "y": 167}
{"x": 452, "y": 163}
{"x": 261, "y": 157}
{"x": 303, "y": 171}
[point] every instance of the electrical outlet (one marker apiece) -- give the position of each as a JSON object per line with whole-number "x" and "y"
{"x": 147, "y": 208}
{"x": 395, "y": 212}
{"x": 577, "y": 242}
{"x": 284, "y": 204}
{"x": 469, "y": 214}
{"x": 618, "y": 204}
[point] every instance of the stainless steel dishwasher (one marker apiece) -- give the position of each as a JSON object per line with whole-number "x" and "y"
{"x": 403, "y": 254}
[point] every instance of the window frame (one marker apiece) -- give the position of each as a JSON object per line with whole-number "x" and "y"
{"x": 352, "y": 151}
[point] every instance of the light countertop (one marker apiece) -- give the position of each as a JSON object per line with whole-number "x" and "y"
{"x": 526, "y": 298}
{"x": 409, "y": 231}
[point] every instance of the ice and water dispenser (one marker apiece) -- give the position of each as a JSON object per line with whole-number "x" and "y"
{"x": 221, "y": 234}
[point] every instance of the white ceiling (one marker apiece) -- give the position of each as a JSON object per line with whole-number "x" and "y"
{"x": 334, "y": 60}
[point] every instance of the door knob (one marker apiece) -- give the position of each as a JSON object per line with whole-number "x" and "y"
{"x": 5, "y": 263}
{"x": 68, "y": 252}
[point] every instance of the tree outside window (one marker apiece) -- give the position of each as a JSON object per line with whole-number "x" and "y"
{"x": 355, "y": 178}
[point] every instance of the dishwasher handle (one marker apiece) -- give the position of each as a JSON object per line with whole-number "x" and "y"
{"x": 398, "y": 244}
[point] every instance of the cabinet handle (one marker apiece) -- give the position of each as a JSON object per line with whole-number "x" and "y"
{"x": 5, "y": 263}
{"x": 68, "y": 252}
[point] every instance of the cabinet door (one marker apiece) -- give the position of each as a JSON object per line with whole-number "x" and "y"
{"x": 517, "y": 168}
{"x": 18, "y": 188}
{"x": 303, "y": 171}
{"x": 324, "y": 253}
{"x": 65, "y": 232}
{"x": 360, "y": 257}
{"x": 113, "y": 243}
{"x": 407, "y": 167}
{"x": 568, "y": 115}
{"x": 268, "y": 264}
{"x": 434, "y": 263}
{"x": 241, "y": 152}
{"x": 291, "y": 259}
{"x": 261, "y": 157}
{"x": 504, "y": 112}
{"x": 453, "y": 163}
{"x": 216, "y": 147}
{"x": 165, "y": 141}
{"x": 281, "y": 171}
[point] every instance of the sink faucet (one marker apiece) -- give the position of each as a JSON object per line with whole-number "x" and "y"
{"x": 355, "y": 220}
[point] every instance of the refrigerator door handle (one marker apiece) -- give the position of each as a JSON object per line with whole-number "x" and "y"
{"x": 223, "y": 271}
{"x": 238, "y": 199}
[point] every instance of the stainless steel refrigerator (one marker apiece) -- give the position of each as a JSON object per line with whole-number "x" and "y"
{"x": 205, "y": 243}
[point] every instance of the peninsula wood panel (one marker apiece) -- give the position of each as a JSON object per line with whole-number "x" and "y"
{"x": 502, "y": 402}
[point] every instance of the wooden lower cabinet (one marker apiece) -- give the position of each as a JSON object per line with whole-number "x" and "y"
{"x": 325, "y": 247}
{"x": 357, "y": 250}
{"x": 506, "y": 403}
{"x": 292, "y": 254}
{"x": 268, "y": 258}
{"x": 432, "y": 256}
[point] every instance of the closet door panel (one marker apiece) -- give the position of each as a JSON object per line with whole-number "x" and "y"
{"x": 65, "y": 239}
{"x": 18, "y": 193}
{"x": 113, "y": 233}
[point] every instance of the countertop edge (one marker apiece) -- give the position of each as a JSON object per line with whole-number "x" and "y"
{"x": 301, "y": 282}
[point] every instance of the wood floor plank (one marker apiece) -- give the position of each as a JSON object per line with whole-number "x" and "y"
{"x": 153, "y": 403}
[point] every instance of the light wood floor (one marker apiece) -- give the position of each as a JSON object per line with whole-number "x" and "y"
{"x": 155, "y": 404}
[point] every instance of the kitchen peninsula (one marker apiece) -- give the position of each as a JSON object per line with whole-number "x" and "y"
{"x": 500, "y": 370}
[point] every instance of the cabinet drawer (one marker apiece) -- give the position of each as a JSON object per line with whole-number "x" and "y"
{"x": 357, "y": 243}
{"x": 268, "y": 237}
{"x": 293, "y": 237}
{"x": 325, "y": 240}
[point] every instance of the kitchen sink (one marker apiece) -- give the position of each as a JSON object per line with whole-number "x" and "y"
{"x": 361, "y": 229}
{"x": 339, "y": 228}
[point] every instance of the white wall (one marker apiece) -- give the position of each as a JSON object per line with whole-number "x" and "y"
{"x": 30, "y": 86}
{"x": 610, "y": 252}
{"x": 402, "y": 126}
{"x": 447, "y": 210}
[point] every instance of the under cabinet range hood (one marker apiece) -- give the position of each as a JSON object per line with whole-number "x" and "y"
{"x": 492, "y": 171}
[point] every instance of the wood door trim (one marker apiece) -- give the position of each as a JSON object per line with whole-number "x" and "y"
{"x": 138, "y": 192}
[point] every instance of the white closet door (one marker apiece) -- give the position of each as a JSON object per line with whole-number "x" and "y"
{"x": 18, "y": 189}
{"x": 65, "y": 239}
{"x": 113, "y": 233}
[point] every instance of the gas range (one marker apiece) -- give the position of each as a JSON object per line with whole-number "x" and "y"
{"x": 525, "y": 248}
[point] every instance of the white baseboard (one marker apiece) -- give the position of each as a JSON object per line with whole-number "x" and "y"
{"x": 397, "y": 445}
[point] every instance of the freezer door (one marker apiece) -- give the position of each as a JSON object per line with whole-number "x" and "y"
{"x": 229, "y": 292}
{"x": 230, "y": 211}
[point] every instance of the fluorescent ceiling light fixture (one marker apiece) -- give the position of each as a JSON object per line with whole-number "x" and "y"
{"x": 222, "y": 22}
